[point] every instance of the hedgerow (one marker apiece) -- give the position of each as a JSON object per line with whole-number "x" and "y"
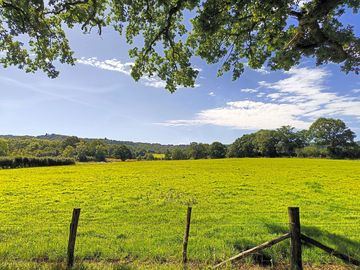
{"x": 25, "y": 162}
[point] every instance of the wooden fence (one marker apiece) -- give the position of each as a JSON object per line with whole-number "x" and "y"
{"x": 294, "y": 234}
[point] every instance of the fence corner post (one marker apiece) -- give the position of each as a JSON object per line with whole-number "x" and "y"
{"x": 295, "y": 239}
{"x": 72, "y": 237}
{"x": 186, "y": 237}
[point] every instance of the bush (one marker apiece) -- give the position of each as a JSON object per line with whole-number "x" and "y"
{"x": 312, "y": 151}
{"x": 178, "y": 154}
{"x": 149, "y": 156}
{"x": 24, "y": 162}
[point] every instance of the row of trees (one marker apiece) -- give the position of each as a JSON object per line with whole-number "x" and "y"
{"x": 198, "y": 151}
{"x": 71, "y": 147}
{"x": 326, "y": 137}
{"x": 25, "y": 162}
{"x": 95, "y": 150}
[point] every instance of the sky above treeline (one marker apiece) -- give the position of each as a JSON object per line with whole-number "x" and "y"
{"x": 98, "y": 98}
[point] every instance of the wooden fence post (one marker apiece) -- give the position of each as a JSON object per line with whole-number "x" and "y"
{"x": 295, "y": 239}
{"x": 186, "y": 237}
{"x": 72, "y": 237}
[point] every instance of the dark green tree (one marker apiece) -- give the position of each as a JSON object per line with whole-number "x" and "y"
{"x": 122, "y": 152}
{"x": 198, "y": 150}
{"x": 265, "y": 142}
{"x": 82, "y": 151}
{"x": 149, "y": 156}
{"x": 178, "y": 154}
{"x": 289, "y": 140}
{"x": 100, "y": 152}
{"x": 333, "y": 134}
{"x": 70, "y": 141}
{"x": 276, "y": 33}
{"x": 243, "y": 147}
{"x": 4, "y": 147}
{"x": 167, "y": 154}
{"x": 69, "y": 152}
{"x": 217, "y": 150}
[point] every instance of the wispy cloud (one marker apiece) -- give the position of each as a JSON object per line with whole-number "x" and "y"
{"x": 212, "y": 94}
{"x": 246, "y": 115}
{"x": 111, "y": 64}
{"x": 274, "y": 96}
{"x": 124, "y": 68}
{"x": 248, "y": 90}
{"x": 261, "y": 70}
{"x": 46, "y": 93}
{"x": 296, "y": 100}
{"x": 306, "y": 87}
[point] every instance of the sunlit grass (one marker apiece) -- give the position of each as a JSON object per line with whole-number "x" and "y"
{"x": 135, "y": 211}
{"x": 159, "y": 156}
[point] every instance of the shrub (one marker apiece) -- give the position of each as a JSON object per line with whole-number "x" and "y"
{"x": 312, "y": 151}
{"x": 24, "y": 162}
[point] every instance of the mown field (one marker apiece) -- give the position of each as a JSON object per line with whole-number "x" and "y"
{"x": 134, "y": 212}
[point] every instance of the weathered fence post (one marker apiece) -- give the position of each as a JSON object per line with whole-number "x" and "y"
{"x": 72, "y": 237}
{"x": 295, "y": 239}
{"x": 186, "y": 237}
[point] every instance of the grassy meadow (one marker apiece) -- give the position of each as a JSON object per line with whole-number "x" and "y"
{"x": 134, "y": 212}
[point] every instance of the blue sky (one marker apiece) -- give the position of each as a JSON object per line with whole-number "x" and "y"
{"x": 98, "y": 98}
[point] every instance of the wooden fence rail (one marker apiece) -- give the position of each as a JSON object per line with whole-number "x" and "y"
{"x": 333, "y": 252}
{"x": 294, "y": 234}
{"x": 296, "y": 237}
{"x": 253, "y": 250}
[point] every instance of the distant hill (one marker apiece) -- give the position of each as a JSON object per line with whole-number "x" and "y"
{"x": 151, "y": 147}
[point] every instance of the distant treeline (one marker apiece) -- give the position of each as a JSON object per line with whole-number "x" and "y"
{"x": 81, "y": 149}
{"x": 25, "y": 162}
{"x": 326, "y": 138}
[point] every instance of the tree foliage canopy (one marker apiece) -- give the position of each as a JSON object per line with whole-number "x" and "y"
{"x": 276, "y": 33}
{"x": 331, "y": 132}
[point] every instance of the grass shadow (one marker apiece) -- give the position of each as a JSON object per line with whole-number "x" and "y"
{"x": 261, "y": 258}
{"x": 338, "y": 242}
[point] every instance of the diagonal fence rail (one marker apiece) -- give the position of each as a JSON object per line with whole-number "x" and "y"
{"x": 296, "y": 238}
{"x": 294, "y": 234}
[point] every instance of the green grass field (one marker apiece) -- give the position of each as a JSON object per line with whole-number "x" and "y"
{"x": 135, "y": 211}
{"x": 159, "y": 156}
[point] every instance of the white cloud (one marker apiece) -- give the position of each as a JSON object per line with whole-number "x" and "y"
{"x": 306, "y": 88}
{"x": 248, "y": 90}
{"x": 274, "y": 95}
{"x": 303, "y": 2}
{"x": 247, "y": 115}
{"x": 357, "y": 90}
{"x": 212, "y": 94}
{"x": 154, "y": 82}
{"x": 296, "y": 100}
{"x": 261, "y": 70}
{"x": 112, "y": 64}
{"x": 124, "y": 68}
